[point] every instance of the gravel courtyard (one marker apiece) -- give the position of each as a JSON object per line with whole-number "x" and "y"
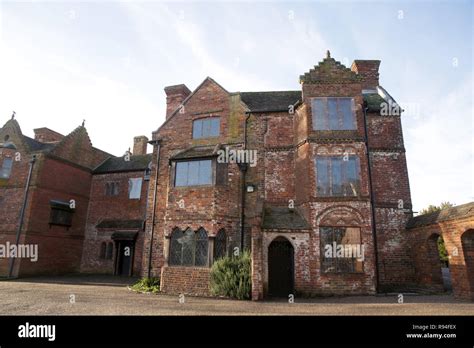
{"x": 103, "y": 295}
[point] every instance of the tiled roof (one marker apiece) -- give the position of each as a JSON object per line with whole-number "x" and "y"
{"x": 196, "y": 152}
{"x": 270, "y": 101}
{"x": 118, "y": 164}
{"x": 281, "y": 217}
{"x": 35, "y": 145}
{"x": 458, "y": 212}
{"x": 281, "y": 100}
{"x": 120, "y": 224}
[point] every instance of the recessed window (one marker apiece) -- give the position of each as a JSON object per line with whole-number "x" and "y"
{"x": 341, "y": 250}
{"x": 337, "y": 176}
{"x": 61, "y": 213}
{"x": 193, "y": 173}
{"x": 6, "y": 168}
{"x": 111, "y": 188}
{"x": 333, "y": 114}
{"x": 134, "y": 188}
{"x": 206, "y": 127}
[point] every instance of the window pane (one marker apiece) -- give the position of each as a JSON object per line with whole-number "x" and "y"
{"x": 215, "y": 125}
{"x": 220, "y": 246}
{"x": 319, "y": 114}
{"x": 201, "y": 248}
{"x": 349, "y": 240}
{"x": 181, "y": 174}
{"x": 322, "y": 176}
{"x": 176, "y": 248}
{"x": 336, "y": 176}
{"x": 193, "y": 173}
{"x": 327, "y": 261}
{"x": 346, "y": 110}
{"x": 6, "y": 169}
{"x": 352, "y": 174}
{"x": 333, "y": 115}
{"x": 205, "y": 172}
{"x": 188, "y": 242}
{"x": 197, "y": 129}
{"x": 134, "y": 188}
{"x": 206, "y": 128}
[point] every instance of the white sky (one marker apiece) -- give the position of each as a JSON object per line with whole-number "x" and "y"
{"x": 108, "y": 62}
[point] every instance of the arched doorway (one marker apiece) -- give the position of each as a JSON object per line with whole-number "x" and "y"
{"x": 281, "y": 268}
{"x": 434, "y": 261}
{"x": 467, "y": 241}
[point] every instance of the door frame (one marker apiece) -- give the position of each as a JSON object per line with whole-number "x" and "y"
{"x": 282, "y": 239}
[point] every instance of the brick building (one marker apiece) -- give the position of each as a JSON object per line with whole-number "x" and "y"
{"x": 58, "y": 196}
{"x": 116, "y": 216}
{"x": 293, "y": 176}
{"x": 329, "y": 161}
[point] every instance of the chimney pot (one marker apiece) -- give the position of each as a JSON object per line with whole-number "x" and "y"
{"x": 140, "y": 145}
{"x": 175, "y": 95}
{"x": 369, "y": 70}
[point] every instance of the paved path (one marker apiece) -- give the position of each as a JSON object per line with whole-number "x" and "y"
{"x": 109, "y": 296}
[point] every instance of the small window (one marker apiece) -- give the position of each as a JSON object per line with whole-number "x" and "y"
{"x": 134, "y": 188}
{"x": 61, "y": 213}
{"x": 333, "y": 113}
{"x": 220, "y": 245}
{"x": 193, "y": 173}
{"x": 206, "y": 128}
{"x": 110, "y": 251}
{"x": 341, "y": 250}
{"x": 112, "y": 189}
{"x": 6, "y": 168}
{"x": 337, "y": 176}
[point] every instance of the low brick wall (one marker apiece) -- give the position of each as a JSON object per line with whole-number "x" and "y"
{"x": 185, "y": 280}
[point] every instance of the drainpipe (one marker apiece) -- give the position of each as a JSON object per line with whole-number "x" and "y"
{"x": 22, "y": 213}
{"x": 372, "y": 199}
{"x": 150, "y": 251}
{"x": 243, "y": 168}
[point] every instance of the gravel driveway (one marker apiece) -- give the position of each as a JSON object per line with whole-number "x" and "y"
{"x": 107, "y": 295}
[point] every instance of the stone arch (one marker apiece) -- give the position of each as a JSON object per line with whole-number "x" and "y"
{"x": 340, "y": 215}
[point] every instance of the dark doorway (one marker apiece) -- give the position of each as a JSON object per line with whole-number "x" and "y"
{"x": 280, "y": 268}
{"x": 124, "y": 261}
{"x": 467, "y": 241}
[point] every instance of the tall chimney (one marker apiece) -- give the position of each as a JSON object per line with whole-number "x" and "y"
{"x": 139, "y": 145}
{"x": 175, "y": 95}
{"x": 46, "y": 135}
{"x": 369, "y": 70}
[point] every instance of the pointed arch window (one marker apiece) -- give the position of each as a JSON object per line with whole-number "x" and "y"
{"x": 220, "y": 245}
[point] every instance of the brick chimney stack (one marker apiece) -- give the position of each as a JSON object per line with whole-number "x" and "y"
{"x": 46, "y": 135}
{"x": 139, "y": 145}
{"x": 369, "y": 70}
{"x": 175, "y": 95}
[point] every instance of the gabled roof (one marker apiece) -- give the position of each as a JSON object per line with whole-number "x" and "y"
{"x": 196, "y": 152}
{"x": 35, "y": 145}
{"x": 118, "y": 164}
{"x": 329, "y": 70}
{"x": 457, "y": 212}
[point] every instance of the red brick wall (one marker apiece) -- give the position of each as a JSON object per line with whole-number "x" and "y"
{"x": 185, "y": 280}
{"x": 120, "y": 207}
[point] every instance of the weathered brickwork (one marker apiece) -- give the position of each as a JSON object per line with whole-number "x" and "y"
{"x": 278, "y": 205}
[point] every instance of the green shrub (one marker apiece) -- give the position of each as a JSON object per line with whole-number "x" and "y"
{"x": 230, "y": 277}
{"x": 147, "y": 285}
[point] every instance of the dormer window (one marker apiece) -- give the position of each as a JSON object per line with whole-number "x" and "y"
{"x": 333, "y": 113}
{"x": 206, "y": 128}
